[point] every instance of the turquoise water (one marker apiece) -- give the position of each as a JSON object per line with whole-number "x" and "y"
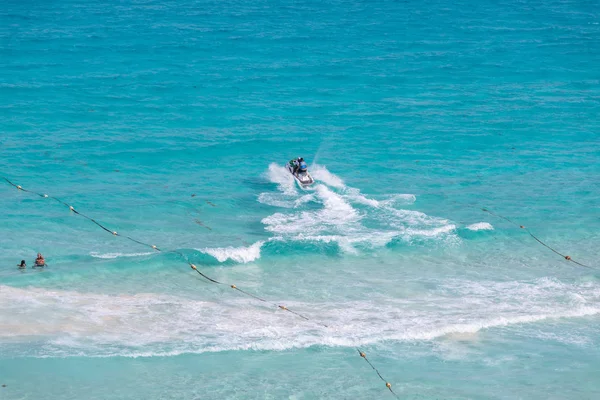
{"x": 171, "y": 122}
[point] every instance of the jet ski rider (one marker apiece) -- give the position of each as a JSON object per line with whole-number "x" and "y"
{"x": 299, "y": 165}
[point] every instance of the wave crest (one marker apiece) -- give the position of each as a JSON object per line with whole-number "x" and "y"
{"x": 480, "y": 226}
{"x": 237, "y": 254}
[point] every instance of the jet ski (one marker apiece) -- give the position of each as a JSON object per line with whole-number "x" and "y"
{"x": 299, "y": 170}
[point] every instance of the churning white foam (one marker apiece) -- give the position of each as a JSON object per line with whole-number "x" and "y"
{"x": 237, "y": 254}
{"x": 72, "y": 323}
{"x": 284, "y": 180}
{"x": 321, "y": 173}
{"x": 339, "y": 219}
{"x": 355, "y": 196}
{"x": 335, "y": 204}
{"x": 336, "y": 213}
{"x": 434, "y": 232}
{"x": 336, "y": 219}
{"x": 480, "y": 226}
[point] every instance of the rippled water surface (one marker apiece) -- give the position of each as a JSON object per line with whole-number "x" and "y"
{"x": 171, "y": 122}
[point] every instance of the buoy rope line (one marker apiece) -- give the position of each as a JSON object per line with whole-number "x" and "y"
{"x": 566, "y": 257}
{"x": 195, "y": 268}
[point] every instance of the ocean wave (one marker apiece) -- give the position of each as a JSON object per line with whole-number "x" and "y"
{"x": 299, "y": 244}
{"x": 497, "y": 322}
{"x": 279, "y": 343}
{"x": 327, "y": 244}
{"x": 434, "y": 232}
{"x": 118, "y": 255}
{"x": 237, "y": 254}
{"x": 67, "y": 323}
{"x": 480, "y": 226}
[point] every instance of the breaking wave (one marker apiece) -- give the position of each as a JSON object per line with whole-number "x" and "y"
{"x": 237, "y": 254}
{"x": 66, "y": 323}
{"x": 480, "y": 226}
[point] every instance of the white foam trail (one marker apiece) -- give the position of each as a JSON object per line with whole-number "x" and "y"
{"x": 415, "y": 218}
{"x": 347, "y": 244}
{"x": 435, "y": 232}
{"x": 355, "y": 195}
{"x": 364, "y": 200}
{"x": 321, "y": 173}
{"x": 237, "y": 254}
{"x": 337, "y": 215}
{"x": 480, "y": 226}
{"x": 335, "y": 205}
{"x": 339, "y": 219}
{"x": 409, "y": 223}
{"x": 66, "y": 323}
{"x": 498, "y": 322}
{"x": 117, "y": 255}
{"x": 284, "y": 180}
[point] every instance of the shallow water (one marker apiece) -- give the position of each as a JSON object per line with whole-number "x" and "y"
{"x": 171, "y": 122}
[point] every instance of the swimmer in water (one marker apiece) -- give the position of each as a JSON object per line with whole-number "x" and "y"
{"x": 22, "y": 265}
{"x": 39, "y": 261}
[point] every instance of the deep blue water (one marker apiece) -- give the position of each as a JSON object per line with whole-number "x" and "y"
{"x": 171, "y": 122}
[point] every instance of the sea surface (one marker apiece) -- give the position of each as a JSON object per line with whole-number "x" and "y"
{"x": 171, "y": 122}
